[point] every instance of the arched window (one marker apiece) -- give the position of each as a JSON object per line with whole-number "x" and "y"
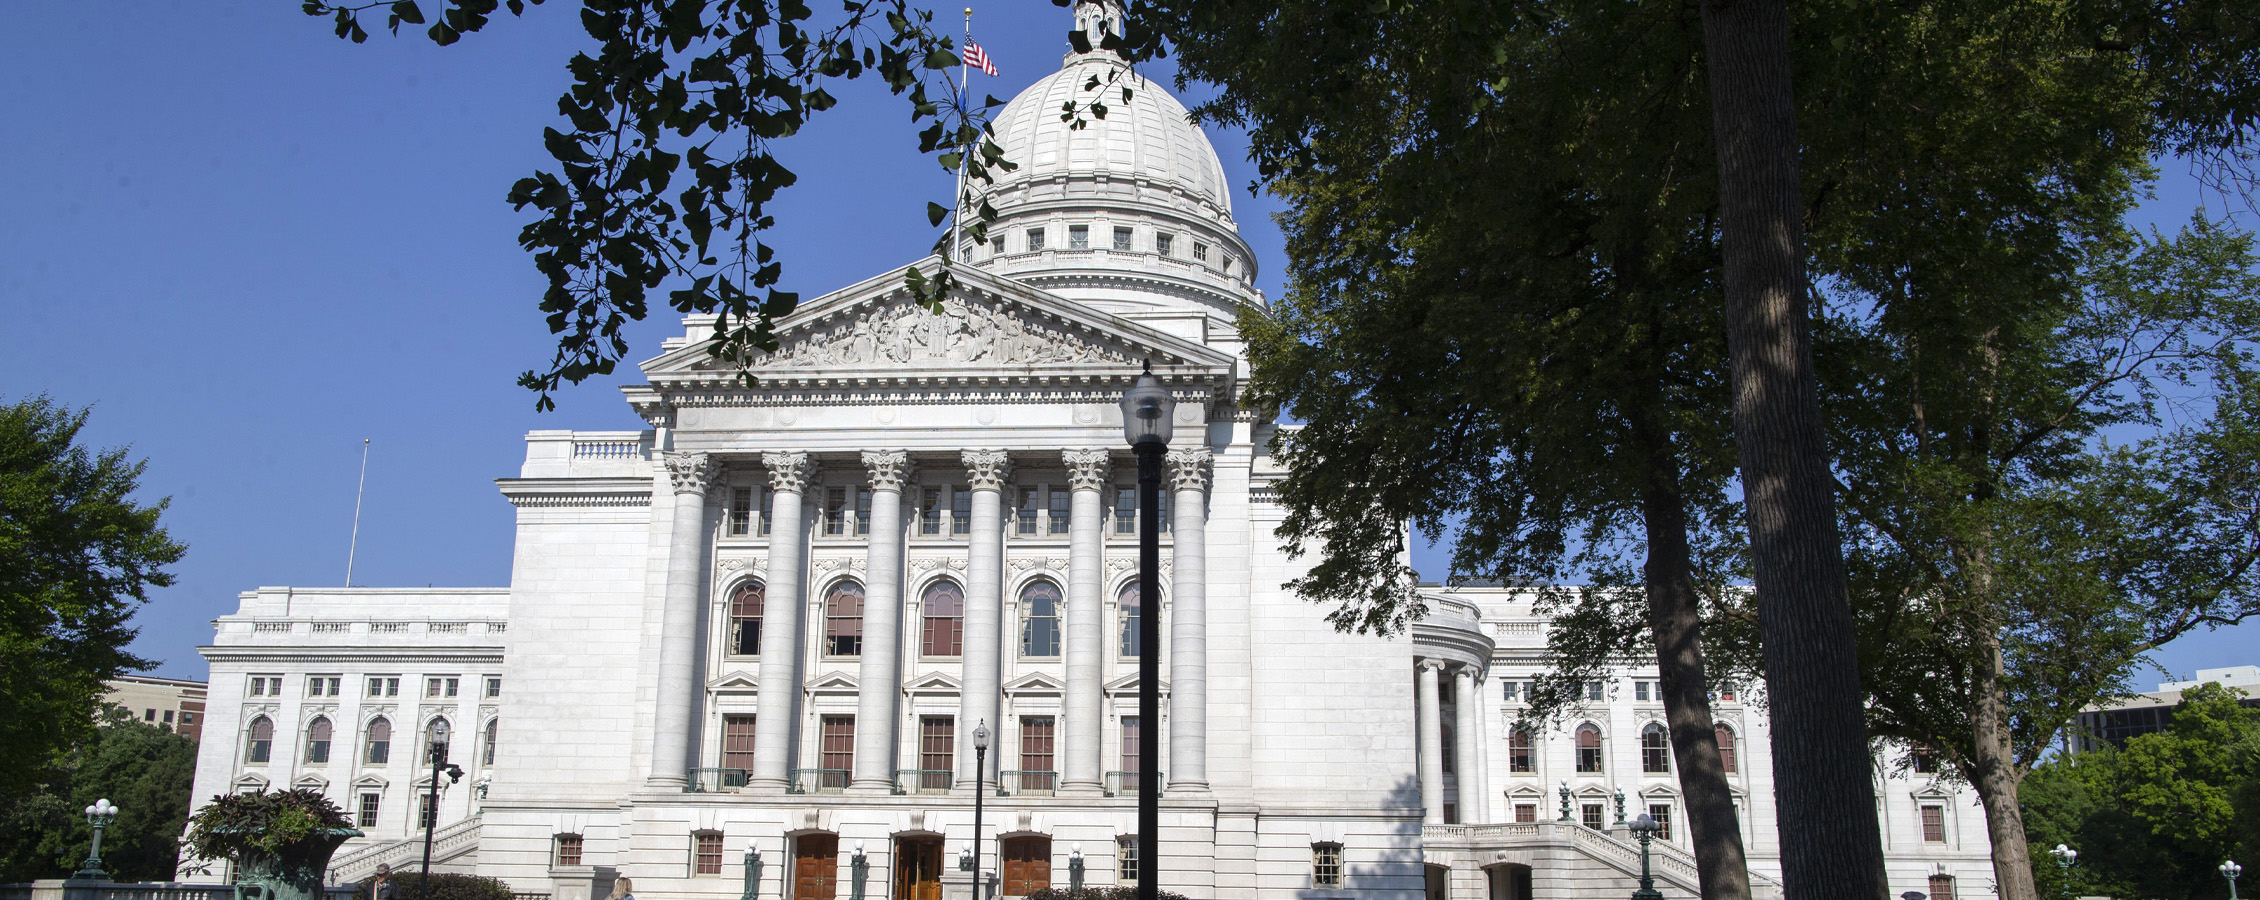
{"x": 318, "y": 740}
{"x": 843, "y": 620}
{"x": 745, "y": 619}
{"x": 1655, "y": 749}
{"x": 1588, "y": 748}
{"x": 1519, "y": 757}
{"x": 1726, "y": 745}
{"x": 1039, "y": 622}
{"x": 380, "y": 743}
{"x": 435, "y": 741}
{"x": 1129, "y": 626}
{"x": 486, "y": 751}
{"x": 262, "y": 740}
{"x": 944, "y": 604}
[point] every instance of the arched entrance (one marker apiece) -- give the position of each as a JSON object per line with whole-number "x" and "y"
{"x": 1508, "y": 881}
{"x": 918, "y": 867}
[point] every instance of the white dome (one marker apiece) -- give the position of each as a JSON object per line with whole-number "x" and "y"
{"x": 1148, "y": 138}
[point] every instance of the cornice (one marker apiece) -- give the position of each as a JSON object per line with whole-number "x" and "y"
{"x": 535, "y": 493}
{"x": 349, "y": 654}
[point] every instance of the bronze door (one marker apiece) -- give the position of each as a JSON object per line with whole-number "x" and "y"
{"x": 816, "y": 866}
{"x": 918, "y": 869}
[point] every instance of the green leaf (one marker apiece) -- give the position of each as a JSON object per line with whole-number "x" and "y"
{"x": 443, "y": 35}
{"x": 1080, "y": 41}
{"x": 408, "y": 12}
{"x": 941, "y": 59}
{"x": 935, "y": 213}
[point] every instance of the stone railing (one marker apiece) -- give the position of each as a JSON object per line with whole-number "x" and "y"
{"x": 609, "y": 448}
{"x": 454, "y": 840}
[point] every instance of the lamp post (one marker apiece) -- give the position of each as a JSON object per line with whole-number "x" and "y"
{"x": 2065, "y": 856}
{"x": 1565, "y": 799}
{"x": 752, "y": 870}
{"x": 1075, "y": 867}
{"x": 1644, "y": 827}
{"x": 980, "y": 774}
{"x": 98, "y": 817}
{"x": 2229, "y": 870}
{"x": 1147, "y": 410}
{"x": 438, "y": 753}
{"x": 861, "y": 867}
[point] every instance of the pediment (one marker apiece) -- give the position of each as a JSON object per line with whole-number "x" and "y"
{"x": 310, "y": 781}
{"x": 1659, "y": 790}
{"x": 1035, "y": 683}
{"x": 989, "y": 326}
{"x": 933, "y": 682}
{"x": 832, "y": 683}
{"x": 250, "y": 783}
{"x": 370, "y": 781}
{"x": 735, "y": 680}
{"x": 1128, "y": 683}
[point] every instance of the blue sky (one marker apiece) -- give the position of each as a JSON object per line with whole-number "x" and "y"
{"x": 248, "y": 246}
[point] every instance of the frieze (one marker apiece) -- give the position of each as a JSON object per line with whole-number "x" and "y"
{"x": 902, "y": 333}
{"x": 930, "y": 563}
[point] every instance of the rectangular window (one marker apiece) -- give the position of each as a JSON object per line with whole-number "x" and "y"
{"x": 768, "y": 512}
{"x": 168, "y": 717}
{"x": 1062, "y": 511}
{"x": 1926, "y": 761}
{"x": 1593, "y": 815}
{"x": 431, "y": 687}
{"x": 1596, "y": 690}
{"x": 1200, "y": 251}
{"x": 862, "y": 510}
{"x": 1031, "y": 509}
{"x": 737, "y": 743}
{"x": 1036, "y": 753}
{"x": 961, "y": 510}
{"x": 1326, "y": 865}
{"x": 427, "y": 815}
{"x": 1122, "y": 240}
{"x": 1639, "y": 690}
{"x": 1035, "y": 239}
{"x": 1129, "y": 748}
{"x": 149, "y": 715}
{"x": 568, "y": 850}
{"x": 1125, "y": 510}
{"x": 937, "y": 737}
{"x": 1513, "y": 690}
{"x": 741, "y": 511}
{"x": 1450, "y": 757}
{"x": 1227, "y": 263}
{"x": 1078, "y": 237}
{"x": 835, "y": 510}
{"x": 838, "y": 750}
{"x": 930, "y": 512}
{"x": 313, "y": 689}
{"x": 377, "y": 686}
{"x": 266, "y": 686}
{"x": 1941, "y": 887}
{"x": 1126, "y": 860}
{"x": 706, "y": 853}
{"x": 1163, "y": 241}
{"x": 368, "y": 812}
{"x": 996, "y": 245}
{"x": 1526, "y": 812}
{"x": 1934, "y": 824}
{"x": 1661, "y": 812}
{"x": 494, "y": 686}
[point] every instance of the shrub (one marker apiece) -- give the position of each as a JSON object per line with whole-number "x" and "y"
{"x": 445, "y": 886}
{"x": 262, "y": 822}
{"x": 1108, "y": 892}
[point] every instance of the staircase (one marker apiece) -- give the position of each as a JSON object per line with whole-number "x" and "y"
{"x": 448, "y": 843}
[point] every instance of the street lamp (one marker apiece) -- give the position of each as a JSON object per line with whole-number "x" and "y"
{"x": 980, "y": 773}
{"x": 1644, "y": 827}
{"x": 1075, "y": 867}
{"x": 1620, "y": 804}
{"x": 98, "y": 817}
{"x": 752, "y": 870}
{"x": 438, "y": 740}
{"x": 2065, "y": 856}
{"x": 1565, "y": 799}
{"x": 862, "y": 869}
{"x": 2229, "y": 870}
{"x": 1147, "y": 410}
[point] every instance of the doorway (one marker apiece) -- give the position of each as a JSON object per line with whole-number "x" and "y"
{"x": 816, "y": 867}
{"x": 1509, "y": 881}
{"x": 918, "y": 868}
{"x": 1027, "y": 864}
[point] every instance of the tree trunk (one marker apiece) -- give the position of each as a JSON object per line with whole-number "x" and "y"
{"x": 1675, "y": 617}
{"x": 1831, "y": 846}
{"x": 1993, "y": 772}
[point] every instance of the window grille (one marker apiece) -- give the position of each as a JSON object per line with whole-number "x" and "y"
{"x": 1661, "y": 812}
{"x": 1326, "y": 865}
{"x": 1934, "y": 824}
{"x": 737, "y": 742}
{"x": 1035, "y": 239}
{"x": 568, "y": 850}
{"x": 368, "y": 811}
{"x": 262, "y": 740}
{"x": 706, "y": 853}
{"x": 379, "y": 750}
{"x": 1655, "y": 750}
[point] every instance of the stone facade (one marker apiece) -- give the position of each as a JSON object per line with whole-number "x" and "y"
{"x": 754, "y": 640}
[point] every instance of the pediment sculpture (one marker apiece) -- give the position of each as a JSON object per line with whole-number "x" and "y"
{"x": 967, "y": 331}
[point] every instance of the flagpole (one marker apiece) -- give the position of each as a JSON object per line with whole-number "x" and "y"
{"x": 355, "y": 543}
{"x": 965, "y": 105}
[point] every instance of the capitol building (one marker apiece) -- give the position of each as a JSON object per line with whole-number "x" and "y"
{"x": 743, "y": 652}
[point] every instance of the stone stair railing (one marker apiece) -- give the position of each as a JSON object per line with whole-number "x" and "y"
{"x": 448, "y": 843}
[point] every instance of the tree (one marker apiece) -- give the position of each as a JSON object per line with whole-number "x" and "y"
{"x": 2155, "y": 818}
{"x": 145, "y": 769}
{"x": 77, "y": 557}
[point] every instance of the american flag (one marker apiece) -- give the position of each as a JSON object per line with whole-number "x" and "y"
{"x": 977, "y": 58}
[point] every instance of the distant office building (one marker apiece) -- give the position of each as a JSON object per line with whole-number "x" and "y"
{"x": 174, "y": 703}
{"x": 2113, "y": 723}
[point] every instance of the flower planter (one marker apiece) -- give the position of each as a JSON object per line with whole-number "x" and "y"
{"x": 293, "y": 872}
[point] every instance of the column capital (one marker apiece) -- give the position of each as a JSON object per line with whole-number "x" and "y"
{"x": 1189, "y": 468}
{"x": 690, "y": 472}
{"x": 1087, "y": 470}
{"x": 788, "y": 471}
{"x": 987, "y": 470}
{"x": 889, "y": 469}
{"x": 1430, "y": 665}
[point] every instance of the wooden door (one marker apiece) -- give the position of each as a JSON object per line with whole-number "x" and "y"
{"x": 1027, "y": 865}
{"x": 816, "y": 867}
{"x": 918, "y": 869}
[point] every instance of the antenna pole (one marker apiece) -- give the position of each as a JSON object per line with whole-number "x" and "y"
{"x": 358, "y": 488}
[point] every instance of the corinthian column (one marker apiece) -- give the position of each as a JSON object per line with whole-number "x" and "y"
{"x": 985, "y": 472}
{"x": 1431, "y": 744}
{"x": 882, "y": 625}
{"x": 1086, "y": 619}
{"x": 780, "y": 622}
{"x": 678, "y": 624}
{"x": 1468, "y": 736}
{"x": 1188, "y": 620}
